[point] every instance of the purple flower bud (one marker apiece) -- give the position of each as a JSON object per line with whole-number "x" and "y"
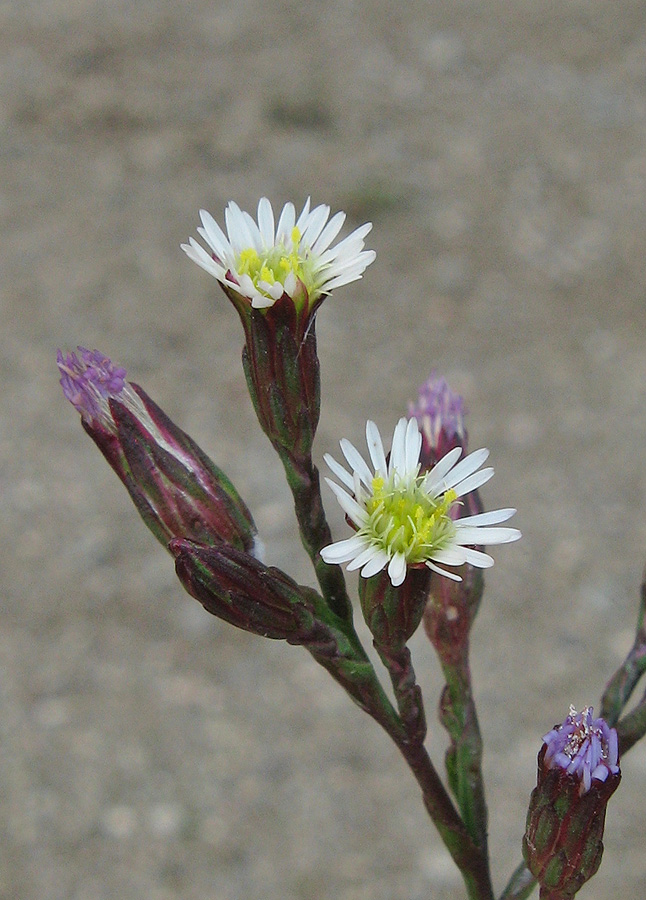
{"x": 440, "y": 416}
{"x": 176, "y": 488}
{"x": 578, "y": 771}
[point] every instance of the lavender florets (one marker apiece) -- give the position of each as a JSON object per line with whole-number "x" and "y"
{"x": 88, "y": 382}
{"x": 440, "y": 414}
{"x": 583, "y": 746}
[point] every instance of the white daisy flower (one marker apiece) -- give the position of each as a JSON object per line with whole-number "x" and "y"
{"x": 406, "y": 519}
{"x": 263, "y": 261}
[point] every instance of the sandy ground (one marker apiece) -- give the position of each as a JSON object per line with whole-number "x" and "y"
{"x": 499, "y": 147}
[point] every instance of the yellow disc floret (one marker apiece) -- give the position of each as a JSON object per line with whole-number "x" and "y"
{"x": 404, "y": 519}
{"x": 276, "y": 263}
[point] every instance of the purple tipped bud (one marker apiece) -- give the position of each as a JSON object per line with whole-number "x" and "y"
{"x": 578, "y": 771}
{"x": 440, "y": 416}
{"x": 176, "y": 488}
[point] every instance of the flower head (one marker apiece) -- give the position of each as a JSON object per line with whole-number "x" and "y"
{"x": 578, "y": 772}
{"x": 264, "y": 261}
{"x": 582, "y": 746}
{"x": 176, "y": 488}
{"x": 403, "y": 518}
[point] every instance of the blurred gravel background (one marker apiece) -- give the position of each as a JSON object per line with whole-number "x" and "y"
{"x": 499, "y": 147}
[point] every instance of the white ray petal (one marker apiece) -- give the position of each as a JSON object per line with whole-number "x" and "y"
{"x": 339, "y": 282}
{"x": 473, "y": 481}
{"x": 376, "y": 564}
{"x": 328, "y": 234}
{"x": 199, "y": 255}
{"x": 443, "y": 572}
{"x": 214, "y": 235}
{"x": 351, "y": 268}
{"x": 450, "y": 556}
{"x": 301, "y": 222}
{"x": 397, "y": 462}
{"x": 465, "y": 467}
{"x": 254, "y": 231}
{"x": 493, "y": 517}
{"x": 285, "y": 223}
{"x": 356, "y": 237}
{"x": 266, "y": 222}
{"x": 397, "y": 569}
{"x": 348, "y": 504}
{"x": 335, "y": 259}
{"x": 474, "y": 534}
{"x": 260, "y": 301}
{"x": 315, "y": 224}
{"x": 343, "y": 551}
{"x": 290, "y": 284}
{"x": 364, "y": 557}
{"x": 342, "y": 474}
{"x": 274, "y": 290}
{"x": 376, "y": 449}
{"x": 439, "y": 470}
{"x": 413, "y": 445}
{"x": 246, "y": 286}
{"x": 477, "y": 558}
{"x": 356, "y": 462}
{"x": 240, "y": 237}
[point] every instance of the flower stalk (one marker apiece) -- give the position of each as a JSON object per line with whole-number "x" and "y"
{"x": 304, "y": 482}
{"x": 447, "y": 620}
{"x": 237, "y": 588}
{"x": 620, "y": 687}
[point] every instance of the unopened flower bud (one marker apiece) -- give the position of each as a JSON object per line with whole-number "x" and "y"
{"x": 578, "y": 771}
{"x": 440, "y": 413}
{"x": 176, "y": 488}
{"x": 235, "y": 587}
{"x": 263, "y": 600}
{"x": 440, "y": 416}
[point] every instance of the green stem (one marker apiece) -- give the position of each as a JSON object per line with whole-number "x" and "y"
{"x": 407, "y": 692}
{"x": 470, "y": 858}
{"x": 448, "y": 619}
{"x": 464, "y": 757}
{"x": 632, "y": 727}
{"x": 623, "y": 682}
{"x": 305, "y": 485}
